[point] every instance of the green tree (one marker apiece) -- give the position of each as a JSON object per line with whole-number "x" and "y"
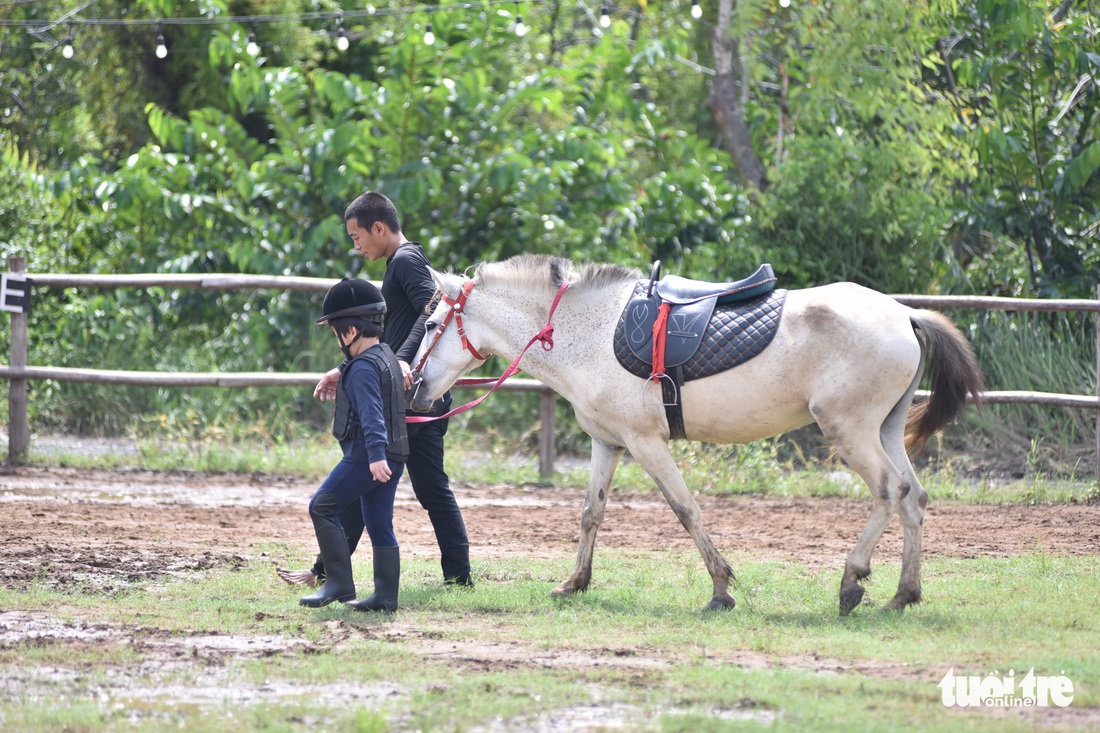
{"x": 1022, "y": 77}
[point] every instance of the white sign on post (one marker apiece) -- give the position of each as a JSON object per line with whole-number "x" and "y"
{"x": 15, "y": 293}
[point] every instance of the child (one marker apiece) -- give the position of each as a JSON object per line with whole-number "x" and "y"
{"x": 370, "y": 424}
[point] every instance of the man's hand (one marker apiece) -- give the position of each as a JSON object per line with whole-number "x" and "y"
{"x": 407, "y": 373}
{"x": 326, "y": 388}
{"x": 381, "y": 471}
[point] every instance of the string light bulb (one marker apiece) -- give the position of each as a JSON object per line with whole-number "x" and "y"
{"x": 521, "y": 29}
{"x": 253, "y": 48}
{"x": 784, "y": 3}
{"x": 696, "y": 11}
{"x": 605, "y": 17}
{"x": 429, "y": 37}
{"x": 67, "y": 50}
{"x": 342, "y": 43}
{"x": 162, "y": 49}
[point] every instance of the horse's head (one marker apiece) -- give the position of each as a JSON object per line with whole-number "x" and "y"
{"x": 447, "y": 352}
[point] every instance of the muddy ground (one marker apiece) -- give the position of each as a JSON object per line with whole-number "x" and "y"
{"x": 105, "y": 529}
{"x": 101, "y": 528}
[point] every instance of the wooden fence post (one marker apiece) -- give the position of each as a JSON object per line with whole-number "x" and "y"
{"x": 19, "y": 432}
{"x": 547, "y": 405}
{"x": 1098, "y": 387}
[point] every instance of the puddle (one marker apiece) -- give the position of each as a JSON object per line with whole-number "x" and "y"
{"x": 616, "y": 716}
{"x": 168, "y": 677}
{"x": 152, "y": 688}
{"x": 154, "y": 491}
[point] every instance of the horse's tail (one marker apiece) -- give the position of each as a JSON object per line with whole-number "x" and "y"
{"x": 954, "y": 374}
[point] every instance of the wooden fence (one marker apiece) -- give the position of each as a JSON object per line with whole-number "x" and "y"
{"x": 19, "y": 372}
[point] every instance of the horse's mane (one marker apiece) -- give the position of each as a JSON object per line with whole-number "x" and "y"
{"x": 530, "y": 271}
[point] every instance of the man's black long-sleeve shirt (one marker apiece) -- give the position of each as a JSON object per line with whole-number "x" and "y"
{"x": 408, "y": 288}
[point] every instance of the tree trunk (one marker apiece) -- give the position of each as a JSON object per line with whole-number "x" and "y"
{"x": 725, "y": 103}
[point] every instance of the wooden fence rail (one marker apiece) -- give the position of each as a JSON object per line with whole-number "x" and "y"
{"x": 18, "y": 372}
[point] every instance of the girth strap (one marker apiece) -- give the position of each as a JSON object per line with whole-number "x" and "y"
{"x": 674, "y": 409}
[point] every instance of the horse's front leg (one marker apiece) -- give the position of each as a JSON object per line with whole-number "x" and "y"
{"x": 605, "y": 458}
{"x": 653, "y": 454}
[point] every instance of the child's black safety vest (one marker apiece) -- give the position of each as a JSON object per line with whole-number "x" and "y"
{"x": 345, "y": 422}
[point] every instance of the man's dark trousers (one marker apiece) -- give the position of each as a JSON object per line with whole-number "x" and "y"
{"x": 432, "y": 489}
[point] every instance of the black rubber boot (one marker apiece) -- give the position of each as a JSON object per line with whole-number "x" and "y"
{"x": 339, "y": 584}
{"x": 351, "y": 518}
{"x": 387, "y": 578}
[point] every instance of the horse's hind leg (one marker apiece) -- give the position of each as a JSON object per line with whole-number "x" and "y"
{"x": 911, "y": 513}
{"x": 653, "y": 454}
{"x": 862, "y": 449}
{"x": 605, "y": 458}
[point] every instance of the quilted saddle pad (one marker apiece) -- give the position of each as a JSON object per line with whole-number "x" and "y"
{"x": 734, "y": 334}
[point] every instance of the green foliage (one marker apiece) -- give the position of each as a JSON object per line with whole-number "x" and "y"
{"x": 849, "y": 208}
{"x": 1026, "y": 98}
{"x": 26, "y": 228}
{"x": 881, "y": 127}
{"x": 857, "y": 192}
{"x": 1032, "y": 352}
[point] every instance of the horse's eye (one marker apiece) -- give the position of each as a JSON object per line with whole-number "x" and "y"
{"x": 431, "y": 326}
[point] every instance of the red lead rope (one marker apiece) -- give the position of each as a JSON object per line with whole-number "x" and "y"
{"x": 546, "y": 336}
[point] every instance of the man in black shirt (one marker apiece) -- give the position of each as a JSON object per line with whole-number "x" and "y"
{"x": 407, "y": 287}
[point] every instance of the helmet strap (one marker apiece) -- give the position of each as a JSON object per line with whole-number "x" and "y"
{"x": 346, "y": 348}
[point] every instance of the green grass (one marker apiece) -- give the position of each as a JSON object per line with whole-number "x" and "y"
{"x": 505, "y": 656}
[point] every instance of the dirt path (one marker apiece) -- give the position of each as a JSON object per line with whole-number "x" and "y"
{"x": 77, "y": 530}
{"x": 105, "y": 528}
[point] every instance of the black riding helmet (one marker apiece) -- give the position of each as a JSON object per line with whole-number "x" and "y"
{"x": 352, "y": 297}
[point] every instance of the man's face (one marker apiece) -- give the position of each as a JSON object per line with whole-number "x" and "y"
{"x": 371, "y": 243}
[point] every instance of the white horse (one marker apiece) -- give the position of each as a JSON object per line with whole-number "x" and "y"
{"x": 844, "y": 356}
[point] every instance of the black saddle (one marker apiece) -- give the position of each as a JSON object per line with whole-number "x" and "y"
{"x": 711, "y": 327}
{"x": 691, "y": 305}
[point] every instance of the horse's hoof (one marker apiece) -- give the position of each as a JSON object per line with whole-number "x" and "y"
{"x": 899, "y": 602}
{"x": 564, "y": 590}
{"x": 723, "y": 602}
{"x": 850, "y": 597}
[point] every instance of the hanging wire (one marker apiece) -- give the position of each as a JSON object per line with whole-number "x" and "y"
{"x": 252, "y": 20}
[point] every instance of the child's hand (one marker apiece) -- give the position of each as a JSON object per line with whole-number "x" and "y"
{"x": 381, "y": 471}
{"x": 326, "y": 388}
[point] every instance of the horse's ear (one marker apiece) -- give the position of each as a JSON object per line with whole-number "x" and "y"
{"x": 444, "y": 284}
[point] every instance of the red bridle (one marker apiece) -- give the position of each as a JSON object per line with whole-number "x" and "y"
{"x": 545, "y": 335}
{"x": 457, "y": 304}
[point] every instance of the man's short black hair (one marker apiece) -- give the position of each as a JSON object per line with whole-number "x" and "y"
{"x": 371, "y": 207}
{"x": 369, "y": 327}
